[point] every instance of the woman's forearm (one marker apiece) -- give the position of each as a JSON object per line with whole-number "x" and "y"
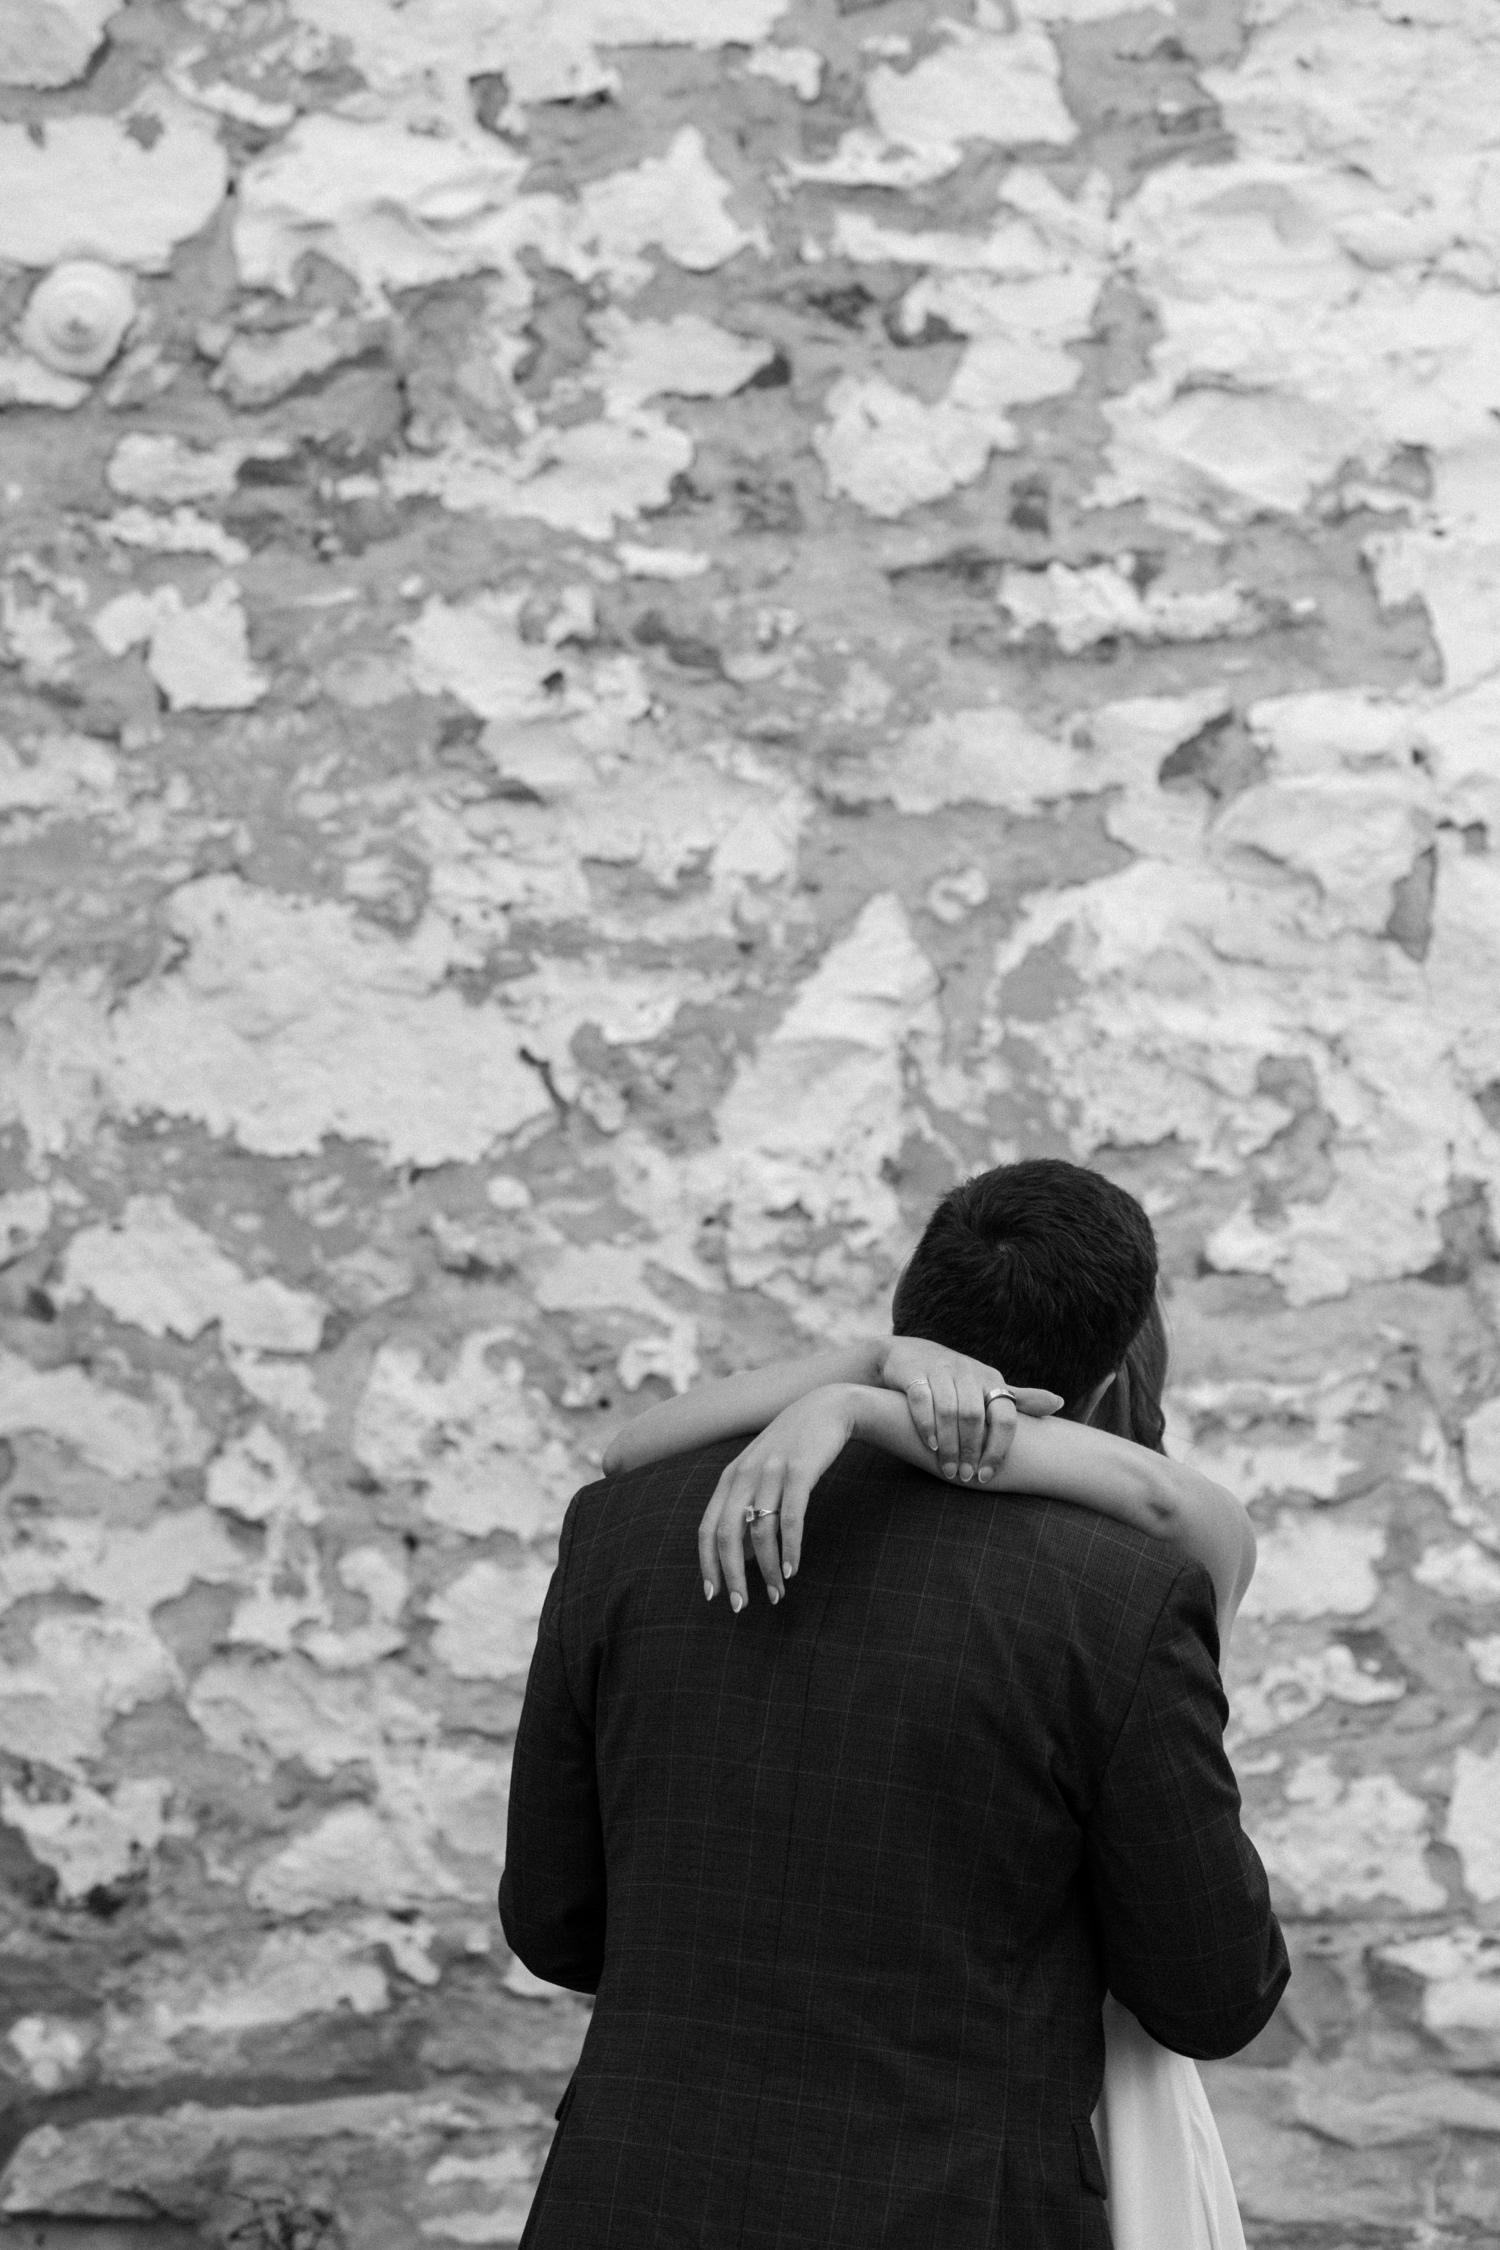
{"x": 1167, "y": 1499}
{"x": 1069, "y": 1461}
{"x": 740, "y": 1405}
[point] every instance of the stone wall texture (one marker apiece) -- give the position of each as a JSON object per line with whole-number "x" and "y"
{"x": 632, "y": 633}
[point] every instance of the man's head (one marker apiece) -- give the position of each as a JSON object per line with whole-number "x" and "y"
{"x": 1042, "y": 1269}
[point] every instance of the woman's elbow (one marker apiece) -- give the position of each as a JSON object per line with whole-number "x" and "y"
{"x": 1160, "y": 1500}
{"x": 622, "y": 1452}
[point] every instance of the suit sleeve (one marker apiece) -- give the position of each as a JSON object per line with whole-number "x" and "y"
{"x": 1191, "y": 1945}
{"x": 552, "y": 1890}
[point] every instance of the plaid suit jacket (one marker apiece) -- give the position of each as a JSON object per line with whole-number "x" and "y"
{"x": 850, "y": 1876}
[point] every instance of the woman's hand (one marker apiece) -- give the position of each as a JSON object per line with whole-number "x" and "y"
{"x": 953, "y": 1404}
{"x": 772, "y": 1478}
{"x": 764, "y": 1491}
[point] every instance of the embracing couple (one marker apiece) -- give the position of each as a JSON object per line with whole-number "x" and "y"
{"x": 907, "y": 1866}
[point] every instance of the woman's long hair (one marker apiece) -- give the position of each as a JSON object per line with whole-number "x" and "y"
{"x": 1131, "y": 1407}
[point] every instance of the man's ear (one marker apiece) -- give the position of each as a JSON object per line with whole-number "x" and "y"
{"x": 1084, "y": 1409}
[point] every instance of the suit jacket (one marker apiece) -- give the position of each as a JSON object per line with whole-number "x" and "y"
{"x": 849, "y": 1876}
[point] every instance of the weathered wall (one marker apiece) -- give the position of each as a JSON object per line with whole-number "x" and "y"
{"x": 675, "y": 621}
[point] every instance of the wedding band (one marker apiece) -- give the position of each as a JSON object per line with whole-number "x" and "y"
{"x": 1002, "y": 1390}
{"x": 753, "y": 1515}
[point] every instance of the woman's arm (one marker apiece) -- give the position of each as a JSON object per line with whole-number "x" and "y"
{"x": 1055, "y": 1459}
{"x": 737, "y": 1405}
{"x": 1093, "y": 1469}
{"x": 951, "y": 1400}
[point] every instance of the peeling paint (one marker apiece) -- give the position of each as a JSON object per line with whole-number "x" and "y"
{"x": 547, "y": 54}
{"x": 87, "y": 187}
{"x": 1312, "y": 1565}
{"x": 289, "y": 1976}
{"x": 1482, "y": 1450}
{"x": 114, "y": 1430}
{"x": 789, "y": 1160}
{"x": 351, "y": 1854}
{"x": 262, "y": 1036}
{"x": 1460, "y": 1970}
{"x": 161, "y": 1273}
{"x": 1082, "y": 607}
{"x": 198, "y": 652}
{"x": 81, "y": 1673}
{"x": 1341, "y": 1842}
{"x": 1465, "y": 1573}
{"x": 123, "y": 2168}
{"x": 1285, "y": 1693}
{"x": 51, "y": 2051}
{"x": 984, "y": 83}
{"x": 487, "y": 1620}
{"x": 91, "y": 1840}
{"x": 256, "y": 1478}
{"x": 1473, "y": 1827}
{"x": 472, "y": 1442}
{"x": 397, "y": 209}
{"x": 50, "y": 44}
{"x": 636, "y": 633}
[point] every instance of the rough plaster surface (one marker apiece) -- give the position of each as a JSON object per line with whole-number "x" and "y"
{"x": 677, "y": 621}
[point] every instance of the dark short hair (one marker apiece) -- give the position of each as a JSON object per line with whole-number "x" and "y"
{"x": 1043, "y": 1269}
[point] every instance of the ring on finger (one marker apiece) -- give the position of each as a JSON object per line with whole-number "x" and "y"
{"x": 754, "y": 1515}
{"x": 1000, "y": 1390}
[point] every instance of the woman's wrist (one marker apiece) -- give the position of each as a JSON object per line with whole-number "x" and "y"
{"x": 844, "y": 1398}
{"x": 872, "y": 1350}
{"x": 881, "y": 1417}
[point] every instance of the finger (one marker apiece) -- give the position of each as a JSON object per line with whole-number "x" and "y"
{"x": 726, "y": 1508}
{"x": 766, "y": 1540}
{"x": 1000, "y": 1428}
{"x": 795, "y": 1492}
{"x": 765, "y": 1532}
{"x": 729, "y": 1542}
{"x": 971, "y": 1426}
{"x": 923, "y": 1412}
{"x": 1038, "y": 1402}
{"x": 945, "y": 1400}
{"x": 708, "y": 1549}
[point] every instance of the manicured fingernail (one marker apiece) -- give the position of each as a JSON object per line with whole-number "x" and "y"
{"x": 789, "y": 1570}
{"x": 985, "y": 1475}
{"x": 708, "y": 1589}
{"x": 773, "y": 1595}
{"x": 736, "y": 1603}
{"x": 966, "y": 1473}
{"x": 932, "y": 1445}
{"x": 948, "y": 1469}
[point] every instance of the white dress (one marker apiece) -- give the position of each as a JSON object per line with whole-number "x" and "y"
{"x": 1169, "y": 2184}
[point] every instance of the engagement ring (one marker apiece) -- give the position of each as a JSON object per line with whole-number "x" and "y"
{"x": 753, "y": 1515}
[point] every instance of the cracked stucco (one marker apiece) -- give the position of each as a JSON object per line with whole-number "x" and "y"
{"x": 632, "y": 631}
